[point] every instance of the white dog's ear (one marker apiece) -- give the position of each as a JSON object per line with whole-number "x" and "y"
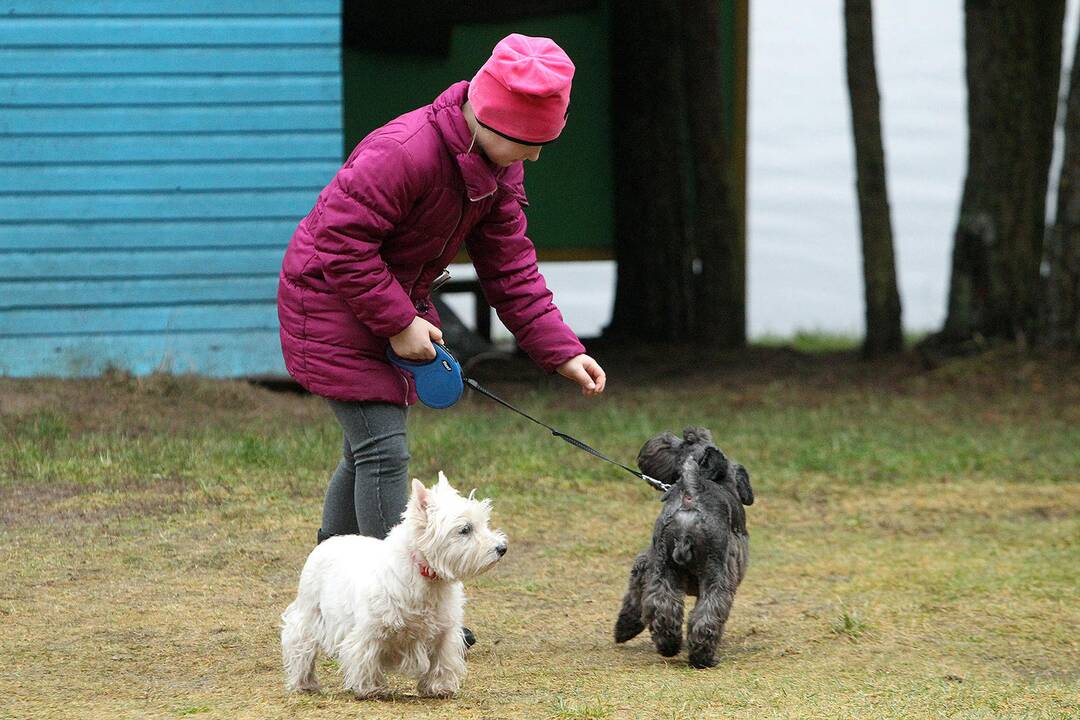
{"x": 472, "y": 494}
{"x": 421, "y": 493}
{"x": 443, "y": 482}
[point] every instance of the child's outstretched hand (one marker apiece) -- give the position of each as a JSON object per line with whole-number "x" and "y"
{"x": 586, "y": 372}
{"x": 414, "y": 342}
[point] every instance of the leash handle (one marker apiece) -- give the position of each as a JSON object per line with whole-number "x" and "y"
{"x": 656, "y": 484}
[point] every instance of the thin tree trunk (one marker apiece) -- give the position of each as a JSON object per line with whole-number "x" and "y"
{"x": 884, "y": 331}
{"x": 654, "y": 287}
{"x": 1063, "y": 243}
{"x": 720, "y": 262}
{"x": 1013, "y": 50}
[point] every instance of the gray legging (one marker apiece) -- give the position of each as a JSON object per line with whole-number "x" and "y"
{"x": 369, "y": 488}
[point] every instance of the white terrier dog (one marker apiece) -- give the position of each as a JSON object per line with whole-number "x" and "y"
{"x": 395, "y": 604}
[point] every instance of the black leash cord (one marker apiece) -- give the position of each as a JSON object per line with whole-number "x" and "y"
{"x": 662, "y": 487}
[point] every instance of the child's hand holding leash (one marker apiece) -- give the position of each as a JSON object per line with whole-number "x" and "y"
{"x": 586, "y": 372}
{"x": 414, "y": 342}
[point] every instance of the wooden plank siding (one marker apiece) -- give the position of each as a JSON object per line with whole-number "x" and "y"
{"x": 155, "y": 158}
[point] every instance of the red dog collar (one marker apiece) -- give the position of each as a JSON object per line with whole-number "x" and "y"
{"x": 425, "y": 569}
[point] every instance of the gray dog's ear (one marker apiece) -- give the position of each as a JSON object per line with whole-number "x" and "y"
{"x": 742, "y": 485}
{"x": 659, "y": 457}
{"x": 713, "y": 463}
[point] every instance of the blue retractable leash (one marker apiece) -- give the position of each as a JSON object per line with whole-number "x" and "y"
{"x": 440, "y": 383}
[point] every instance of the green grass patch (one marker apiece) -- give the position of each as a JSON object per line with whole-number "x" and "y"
{"x": 850, "y": 624}
{"x": 820, "y": 342}
{"x": 809, "y": 341}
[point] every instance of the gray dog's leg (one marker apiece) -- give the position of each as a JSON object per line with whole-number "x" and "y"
{"x": 663, "y": 606}
{"x": 630, "y": 623}
{"x": 707, "y": 620}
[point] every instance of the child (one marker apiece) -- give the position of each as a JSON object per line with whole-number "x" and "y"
{"x": 357, "y": 274}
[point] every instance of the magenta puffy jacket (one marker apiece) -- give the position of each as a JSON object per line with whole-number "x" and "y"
{"x": 359, "y": 267}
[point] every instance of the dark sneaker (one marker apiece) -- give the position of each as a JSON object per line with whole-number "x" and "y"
{"x": 468, "y": 636}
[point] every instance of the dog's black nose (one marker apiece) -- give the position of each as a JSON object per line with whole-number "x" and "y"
{"x": 501, "y": 549}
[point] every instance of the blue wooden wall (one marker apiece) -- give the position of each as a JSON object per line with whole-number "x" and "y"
{"x": 155, "y": 157}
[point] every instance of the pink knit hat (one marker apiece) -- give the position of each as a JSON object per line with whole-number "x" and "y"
{"x": 523, "y": 91}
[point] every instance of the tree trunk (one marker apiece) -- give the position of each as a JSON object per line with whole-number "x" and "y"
{"x": 1013, "y": 50}
{"x": 719, "y": 266}
{"x": 678, "y": 234}
{"x": 653, "y": 293}
{"x": 1063, "y": 244}
{"x": 884, "y": 331}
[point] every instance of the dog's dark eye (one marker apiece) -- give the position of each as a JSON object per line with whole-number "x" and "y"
{"x": 465, "y": 530}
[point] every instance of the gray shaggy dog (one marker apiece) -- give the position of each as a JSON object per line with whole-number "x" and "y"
{"x": 699, "y": 547}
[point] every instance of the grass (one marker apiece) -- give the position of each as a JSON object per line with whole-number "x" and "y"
{"x": 849, "y": 624}
{"x": 811, "y": 341}
{"x": 913, "y": 546}
{"x": 820, "y": 342}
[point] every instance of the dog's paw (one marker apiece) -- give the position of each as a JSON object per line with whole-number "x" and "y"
{"x": 438, "y": 694}
{"x": 701, "y": 660}
{"x": 440, "y": 691}
{"x": 628, "y": 627}
{"x": 374, "y": 693}
{"x": 667, "y": 646}
{"x": 305, "y": 683}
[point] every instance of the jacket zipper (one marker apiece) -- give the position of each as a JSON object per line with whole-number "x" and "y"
{"x": 412, "y": 286}
{"x": 487, "y": 195}
{"x": 457, "y": 225}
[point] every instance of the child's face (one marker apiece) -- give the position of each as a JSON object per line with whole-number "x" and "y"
{"x": 504, "y": 152}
